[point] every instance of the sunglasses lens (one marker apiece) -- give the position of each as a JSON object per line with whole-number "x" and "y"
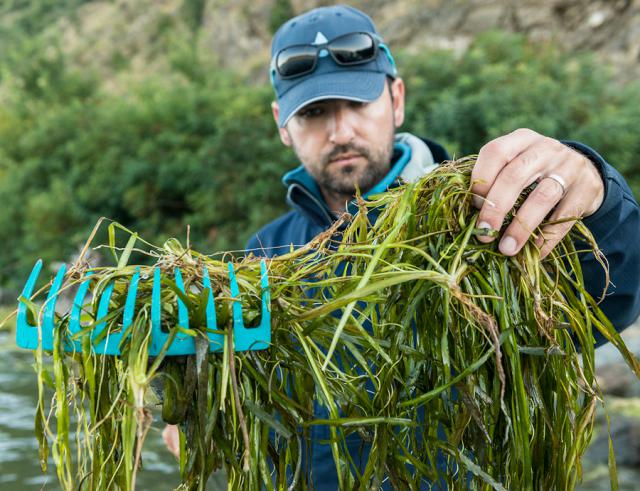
{"x": 296, "y": 60}
{"x": 353, "y": 48}
{"x": 350, "y": 49}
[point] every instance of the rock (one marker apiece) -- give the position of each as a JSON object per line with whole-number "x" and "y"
{"x": 618, "y": 380}
{"x": 613, "y": 374}
{"x": 622, "y": 399}
{"x": 625, "y": 431}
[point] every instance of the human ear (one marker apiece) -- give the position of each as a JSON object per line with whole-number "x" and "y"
{"x": 284, "y": 134}
{"x": 397, "y": 93}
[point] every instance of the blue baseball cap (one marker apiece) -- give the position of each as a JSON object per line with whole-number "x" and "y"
{"x": 329, "y": 80}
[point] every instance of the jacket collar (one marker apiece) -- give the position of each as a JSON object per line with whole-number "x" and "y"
{"x": 303, "y": 193}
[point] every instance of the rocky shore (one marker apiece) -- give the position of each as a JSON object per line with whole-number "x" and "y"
{"x": 622, "y": 398}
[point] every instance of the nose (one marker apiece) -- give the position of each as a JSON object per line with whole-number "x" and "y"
{"x": 342, "y": 129}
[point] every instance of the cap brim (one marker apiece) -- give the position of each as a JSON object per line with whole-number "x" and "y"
{"x": 363, "y": 86}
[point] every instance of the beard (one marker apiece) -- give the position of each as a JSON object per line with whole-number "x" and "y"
{"x": 344, "y": 180}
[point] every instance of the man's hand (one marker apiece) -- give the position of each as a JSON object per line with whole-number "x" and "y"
{"x": 172, "y": 439}
{"x": 568, "y": 183}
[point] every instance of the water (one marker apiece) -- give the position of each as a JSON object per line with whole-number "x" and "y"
{"x": 19, "y": 466}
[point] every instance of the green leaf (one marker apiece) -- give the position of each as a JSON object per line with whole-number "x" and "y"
{"x": 124, "y": 258}
{"x": 268, "y": 419}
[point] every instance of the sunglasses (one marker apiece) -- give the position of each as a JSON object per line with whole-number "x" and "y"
{"x": 350, "y": 49}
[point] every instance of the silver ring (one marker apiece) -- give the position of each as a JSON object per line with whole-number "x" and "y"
{"x": 559, "y": 180}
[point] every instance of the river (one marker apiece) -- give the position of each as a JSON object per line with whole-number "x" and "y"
{"x": 19, "y": 467}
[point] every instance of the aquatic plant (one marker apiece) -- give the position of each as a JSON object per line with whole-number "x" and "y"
{"x": 396, "y": 326}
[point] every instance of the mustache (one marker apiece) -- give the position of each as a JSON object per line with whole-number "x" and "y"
{"x": 344, "y": 149}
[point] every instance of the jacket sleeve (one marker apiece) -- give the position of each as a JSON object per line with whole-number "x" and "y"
{"x": 616, "y": 229}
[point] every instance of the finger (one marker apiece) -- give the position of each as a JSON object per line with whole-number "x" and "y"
{"x": 532, "y": 212}
{"x": 494, "y": 156}
{"x": 508, "y": 186}
{"x": 172, "y": 439}
{"x": 551, "y": 235}
{"x": 560, "y": 223}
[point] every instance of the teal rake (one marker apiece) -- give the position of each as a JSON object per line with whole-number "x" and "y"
{"x": 244, "y": 338}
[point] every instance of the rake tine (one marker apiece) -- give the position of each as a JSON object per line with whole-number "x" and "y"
{"x": 103, "y": 310}
{"x": 110, "y": 344}
{"x": 256, "y": 338}
{"x": 76, "y": 312}
{"x": 216, "y": 339}
{"x": 182, "y": 344}
{"x": 48, "y": 317}
{"x": 127, "y": 317}
{"x": 158, "y": 337}
{"x": 26, "y": 334}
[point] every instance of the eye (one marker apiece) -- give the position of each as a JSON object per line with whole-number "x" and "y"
{"x": 310, "y": 112}
{"x": 357, "y": 104}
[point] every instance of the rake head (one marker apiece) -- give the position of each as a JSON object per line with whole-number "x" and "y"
{"x": 244, "y": 338}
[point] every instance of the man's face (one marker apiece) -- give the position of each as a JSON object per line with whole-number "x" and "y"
{"x": 346, "y": 145}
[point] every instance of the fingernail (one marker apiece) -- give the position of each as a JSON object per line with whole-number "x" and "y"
{"x": 483, "y": 225}
{"x": 477, "y": 202}
{"x": 508, "y": 245}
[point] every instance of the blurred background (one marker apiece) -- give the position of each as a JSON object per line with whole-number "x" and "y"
{"x": 155, "y": 113}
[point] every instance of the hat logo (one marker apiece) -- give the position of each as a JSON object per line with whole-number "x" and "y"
{"x": 321, "y": 39}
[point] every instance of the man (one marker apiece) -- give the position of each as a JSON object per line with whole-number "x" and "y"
{"x": 339, "y": 101}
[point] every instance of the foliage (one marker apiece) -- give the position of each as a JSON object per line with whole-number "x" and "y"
{"x": 157, "y": 158}
{"x": 23, "y": 22}
{"x": 193, "y": 11}
{"x": 281, "y": 12}
{"x": 197, "y": 145}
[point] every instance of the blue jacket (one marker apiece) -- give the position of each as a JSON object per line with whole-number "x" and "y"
{"x": 615, "y": 226}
